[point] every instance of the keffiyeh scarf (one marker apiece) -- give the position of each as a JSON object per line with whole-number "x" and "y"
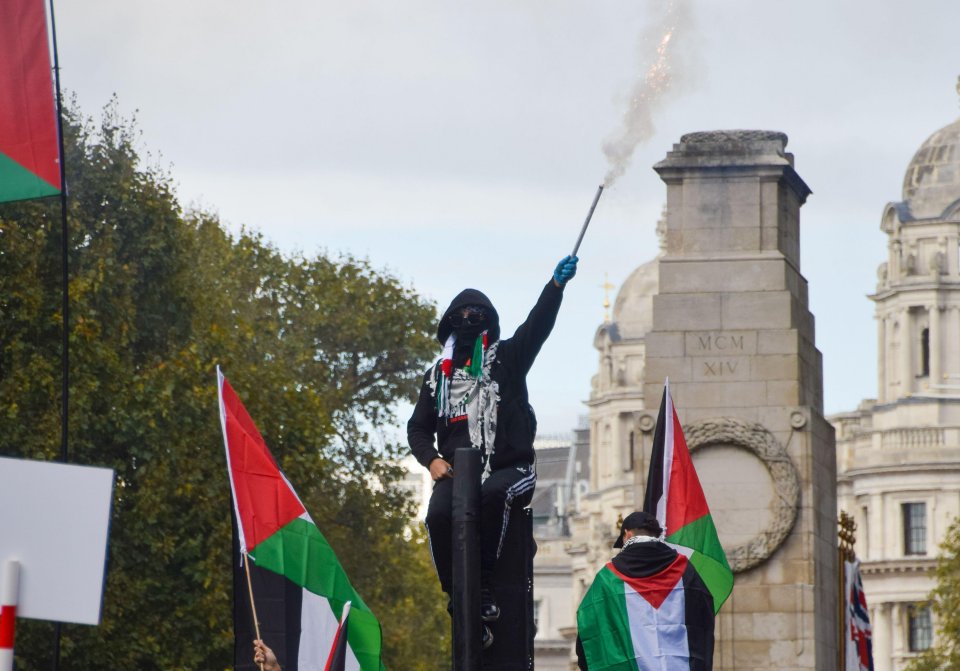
{"x": 469, "y": 391}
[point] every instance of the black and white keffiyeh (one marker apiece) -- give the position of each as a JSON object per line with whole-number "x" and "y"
{"x": 462, "y": 393}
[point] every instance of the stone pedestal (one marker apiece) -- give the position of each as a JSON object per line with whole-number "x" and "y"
{"x": 733, "y": 332}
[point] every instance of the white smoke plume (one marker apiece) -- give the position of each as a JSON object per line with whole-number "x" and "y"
{"x": 658, "y": 79}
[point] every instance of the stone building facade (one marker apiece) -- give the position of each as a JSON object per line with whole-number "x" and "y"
{"x": 562, "y": 475}
{"x": 899, "y": 454}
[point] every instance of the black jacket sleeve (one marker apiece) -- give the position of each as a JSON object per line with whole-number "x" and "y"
{"x": 423, "y": 425}
{"x": 581, "y": 656}
{"x": 532, "y": 333}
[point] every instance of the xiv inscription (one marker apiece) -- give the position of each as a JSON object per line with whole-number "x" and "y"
{"x": 721, "y": 368}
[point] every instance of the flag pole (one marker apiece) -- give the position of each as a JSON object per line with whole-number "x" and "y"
{"x": 845, "y": 552}
{"x": 65, "y": 291}
{"x": 64, "y": 257}
{"x": 253, "y": 607}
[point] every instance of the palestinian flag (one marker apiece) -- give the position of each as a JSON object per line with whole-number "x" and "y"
{"x": 337, "y": 660}
{"x": 275, "y": 533}
{"x": 647, "y": 609}
{"x": 675, "y": 496}
{"x": 29, "y": 143}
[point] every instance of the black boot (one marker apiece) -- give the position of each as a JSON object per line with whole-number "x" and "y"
{"x": 486, "y": 637}
{"x": 489, "y": 610}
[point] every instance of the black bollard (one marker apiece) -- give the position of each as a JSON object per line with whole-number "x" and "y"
{"x": 513, "y": 633}
{"x": 466, "y": 559}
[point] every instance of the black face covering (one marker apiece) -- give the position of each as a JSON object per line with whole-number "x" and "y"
{"x": 467, "y": 333}
{"x": 466, "y": 339}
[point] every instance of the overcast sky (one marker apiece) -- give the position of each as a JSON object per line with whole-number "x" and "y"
{"x": 459, "y": 144}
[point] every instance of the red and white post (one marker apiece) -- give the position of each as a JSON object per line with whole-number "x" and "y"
{"x": 9, "y": 595}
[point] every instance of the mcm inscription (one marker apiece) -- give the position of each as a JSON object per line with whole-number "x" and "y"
{"x": 722, "y": 343}
{"x": 721, "y": 354}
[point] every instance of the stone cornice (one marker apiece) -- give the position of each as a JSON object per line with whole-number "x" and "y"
{"x": 752, "y": 255}
{"x": 935, "y": 467}
{"x": 915, "y": 399}
{"x": 608, "y": 397}
{"x": 922, "y": 284}
{"x": 598, "y": 493}
{"x": 908, "y": 565}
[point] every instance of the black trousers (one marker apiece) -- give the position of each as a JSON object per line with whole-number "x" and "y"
{"x": 505, "y": 490}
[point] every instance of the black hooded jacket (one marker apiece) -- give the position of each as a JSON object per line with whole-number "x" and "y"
{"x": 643, "y": 560}
{"x": 515, "y": 355}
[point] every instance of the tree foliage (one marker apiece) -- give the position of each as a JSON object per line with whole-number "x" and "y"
{"x": 945, "y": 653}
{"x": 320, "y": 349}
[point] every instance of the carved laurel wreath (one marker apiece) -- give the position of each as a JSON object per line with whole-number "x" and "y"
{"x": 758, "y": 440}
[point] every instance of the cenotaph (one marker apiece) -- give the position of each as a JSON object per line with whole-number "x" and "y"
{"x": 732, "y": 330}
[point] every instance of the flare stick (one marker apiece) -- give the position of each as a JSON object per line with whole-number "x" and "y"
{"x": 586, "y": 223}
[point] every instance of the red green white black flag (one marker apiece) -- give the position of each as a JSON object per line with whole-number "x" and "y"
{"x": 29, "y": 141}
{"x": 277, "y": 534}
{"x": 675, "y": 496}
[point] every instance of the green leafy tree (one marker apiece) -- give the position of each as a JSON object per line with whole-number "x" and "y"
{"x": 320, "y": 349}
{"x": 945, "y": 653}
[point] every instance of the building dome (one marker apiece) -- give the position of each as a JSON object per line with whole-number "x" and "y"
{"x": 932, "y": 182}
{"x": 633, "y": 309}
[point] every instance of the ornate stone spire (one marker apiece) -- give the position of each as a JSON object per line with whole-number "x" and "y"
{"x": 606, "y": 286}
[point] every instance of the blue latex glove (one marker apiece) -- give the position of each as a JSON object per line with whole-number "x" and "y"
{"x": 565, "y": 270}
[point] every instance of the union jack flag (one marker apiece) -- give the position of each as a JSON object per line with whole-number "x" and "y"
{"x": 859, "y": 652}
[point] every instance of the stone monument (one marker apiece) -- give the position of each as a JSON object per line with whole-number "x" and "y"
{"x": 732, "y": 330}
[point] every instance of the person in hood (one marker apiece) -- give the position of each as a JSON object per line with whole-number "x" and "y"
{"x": 646, "y": 609}
{"x": 475, "y": 395}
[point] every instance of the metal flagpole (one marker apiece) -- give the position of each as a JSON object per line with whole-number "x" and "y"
{"x": 65, "y": 292}
{"x": 845, "y": 553}
{"x": 64, "y": 249}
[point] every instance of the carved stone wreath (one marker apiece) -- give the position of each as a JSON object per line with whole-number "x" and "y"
{"x": 759, "y": 441}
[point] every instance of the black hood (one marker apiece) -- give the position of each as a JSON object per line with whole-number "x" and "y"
{"x": 470, "y": 297}
{"x": 644, "y": 559}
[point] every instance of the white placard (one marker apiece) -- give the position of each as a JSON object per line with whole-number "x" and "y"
{"x": 54, "y": 520}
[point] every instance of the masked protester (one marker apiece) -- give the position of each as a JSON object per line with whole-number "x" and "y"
{"x": 476, "y": 396}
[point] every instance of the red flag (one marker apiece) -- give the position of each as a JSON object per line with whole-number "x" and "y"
{"x": 29, "y": 142}
{"x": 264, "y": 500}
